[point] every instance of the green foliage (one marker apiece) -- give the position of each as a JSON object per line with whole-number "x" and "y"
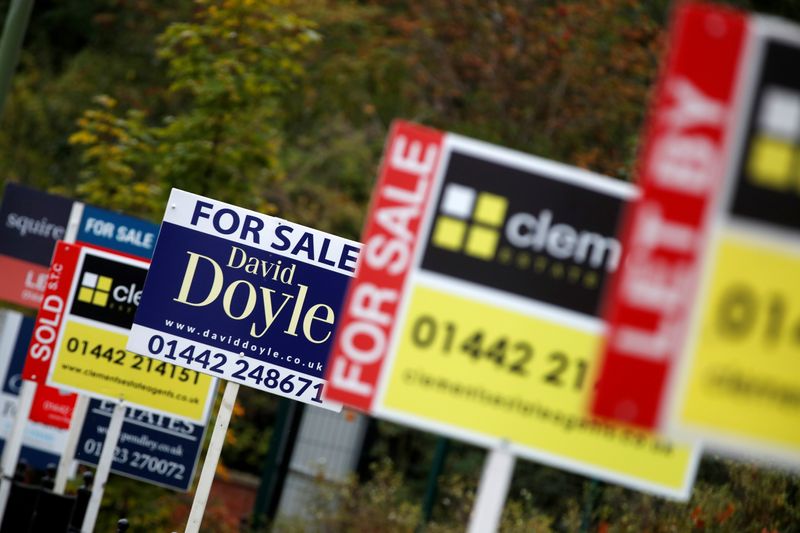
{"x": 749, "y": 498}
{"x": 283, "y": 106}
{"x": 146, "y": 507}
{"x": 250, "y": 431}
{"x": 380, "y": 504}
{"x": 221, "y": 136}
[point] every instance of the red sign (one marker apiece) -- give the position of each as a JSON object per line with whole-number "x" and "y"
{"x": 51, "y": 312}
{"x": 390, "y": 239}
{"x": 23, "y": 281}
{"x": 681, "y": 172}
{"x": 52, "y": 407}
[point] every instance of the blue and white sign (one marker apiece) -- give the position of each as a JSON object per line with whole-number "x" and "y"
{"x": 155, "y": 448}
{"x": 41, "y": 444}
{"x": 244, "y": 296}
{"x": 118, "y": 232}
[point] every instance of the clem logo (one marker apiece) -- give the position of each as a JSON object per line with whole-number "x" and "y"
{"x": 108, "y": 290}
{"x": 470, "y": 221}
{"x": 524, "y": 231}
{"x": 767, "y": 187}
{"x": 95, "y": 289}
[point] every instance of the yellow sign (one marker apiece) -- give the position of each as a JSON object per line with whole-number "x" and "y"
{"x": 95, "y": 359}
{"x": 525, "y": 379}
{"x": 744, "y": 379}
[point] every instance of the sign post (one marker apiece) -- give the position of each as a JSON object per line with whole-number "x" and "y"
{"x": 475, "y": 311}
{"x": 498, "y": 469}
{"x": 103, "y": 468}
{"x": 246, "y": 297}
{"x": 13, "y": 445}
{"x": 212, "y": 457}
{"x": 65, "y": 464}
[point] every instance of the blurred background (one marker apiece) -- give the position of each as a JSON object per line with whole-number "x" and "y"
{"x": 283, "y": 106}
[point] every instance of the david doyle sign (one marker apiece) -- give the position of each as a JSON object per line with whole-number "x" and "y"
{"x": 244, "y": 296}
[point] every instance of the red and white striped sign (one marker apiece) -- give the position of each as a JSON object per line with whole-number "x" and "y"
{"x": 681, "y": 174}
{"x": 390, "y": 237}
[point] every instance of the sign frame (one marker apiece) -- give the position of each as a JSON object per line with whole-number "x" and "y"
{"x": 418, "y": 142}
{"x": 80, "y": 255}
{"x": 260, "y": 245}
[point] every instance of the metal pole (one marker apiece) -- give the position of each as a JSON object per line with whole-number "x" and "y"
{"x": 104, "y": 467}
{"x": 212, "y": 457}
{"x": 492, "y": 490}
{"x": 432, "y": 486}
{"x": 19, "y": 13}
{"x": 588, "y": 505}
{"x": 266, "y": 489}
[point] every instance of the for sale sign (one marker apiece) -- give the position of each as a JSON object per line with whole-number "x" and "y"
{"x": 89, "y": 319}
{"x": 243, "y": 296}
{"x": 113, "y": 231}
{"x": 152, "y": 447}
{"x": 475, "y": 309}
{"x": 718, "y": 359}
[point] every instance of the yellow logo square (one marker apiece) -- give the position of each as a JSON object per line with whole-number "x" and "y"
{"x": 449, "y": 233}
{"x": 104, "y": 283}
{"x": 85, "y": 295}
{"x": 770, "y": 163}
{"x": 100, "y": 298}
{"x": 490, "y": 209}
{"x": 482, "y": 242}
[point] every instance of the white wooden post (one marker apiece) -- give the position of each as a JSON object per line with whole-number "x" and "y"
{"x": 11, "y": 451}
{"x": 103, "y": 467}
{"x": 68, "y": 455}
{"x": 8, "y": 463}
{"x": 492, "y": 490}
{"x": 212, "y": 457}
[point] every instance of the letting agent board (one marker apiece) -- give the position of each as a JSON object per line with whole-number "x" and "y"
{"x": 704, "y": 335}
{"x": 32, "y": 221}
{"x": 30, "y": 224}
{"x": 42, "y": 441}
{"x": 243, "y": 296}
{"x": 474, "y": 312}
{"x": 152, "y": 447}
{"x": 100, "y": 293}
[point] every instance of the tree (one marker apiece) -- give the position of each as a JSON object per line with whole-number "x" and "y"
{"x": 221, "y": 135}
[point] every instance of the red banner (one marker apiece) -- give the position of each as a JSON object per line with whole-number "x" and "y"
{"x": 51, "y": 407}
{"x": 681, "y": 170}
{"x": 51, "y": 312}
{"x": 23, "y": 282}
{"x": 390, "y": 237}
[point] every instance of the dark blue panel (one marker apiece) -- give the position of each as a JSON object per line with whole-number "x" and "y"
{"x": 155, "y": 448}
{"x": 239, "y": 324}
{"x": 117, "y": 232}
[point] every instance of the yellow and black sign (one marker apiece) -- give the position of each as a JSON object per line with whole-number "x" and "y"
{"x": 500, "y": 334}
{"x": 742, "y": 379}
{"x": 548, "y": 246}
{"x": 90, "y": 355}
